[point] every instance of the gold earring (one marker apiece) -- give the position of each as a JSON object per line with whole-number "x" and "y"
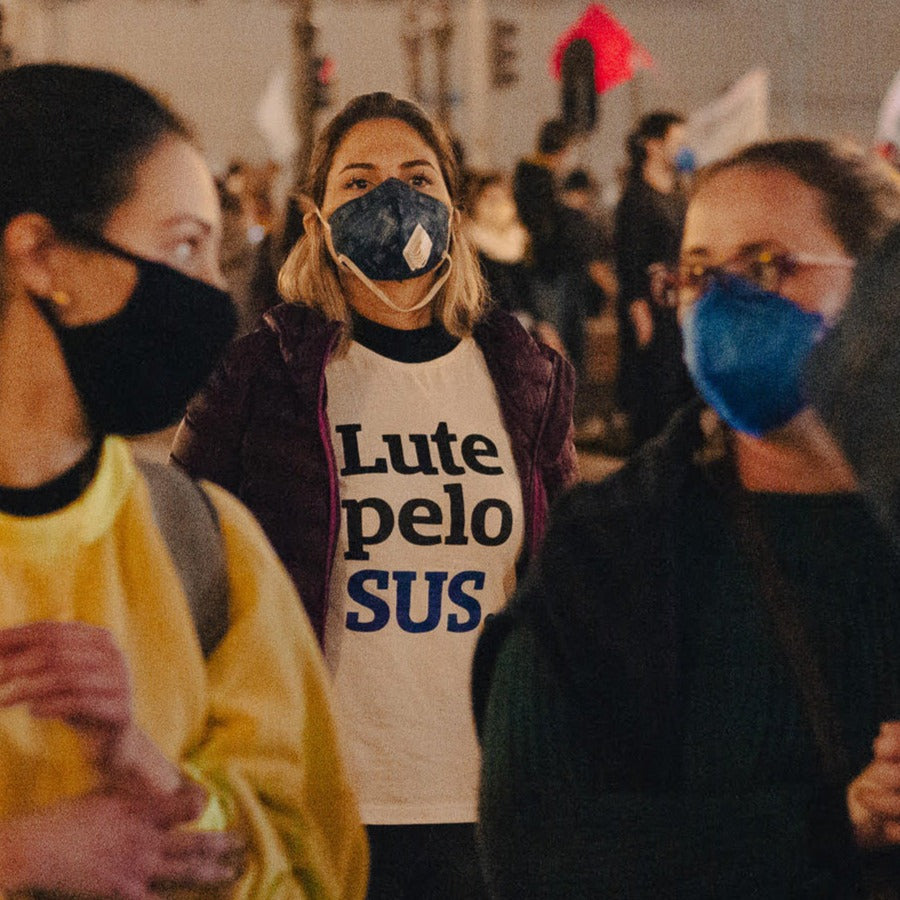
{"x": 60, "y": 298}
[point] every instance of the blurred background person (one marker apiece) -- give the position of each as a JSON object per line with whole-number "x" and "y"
{"x": 563, "y": 243}
{"x": 501, "y": 242}
{"x": 652, "y": 379}
{"x": 695, "y": 691}
{"x": 138, "y": 754}
{"x": 400, "y": 442}
{"x": 250, "y": 239}
{"x": 599, "y": 422}
{"x": 581, "y": 192}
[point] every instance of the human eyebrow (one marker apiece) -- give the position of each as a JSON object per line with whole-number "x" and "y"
{"x": 754, "y": 249}
{"x": 367, "y": 166}
{"x": 416, "y": 163}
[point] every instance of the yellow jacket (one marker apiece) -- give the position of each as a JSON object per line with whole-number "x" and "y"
{"x": 252, "y": 723}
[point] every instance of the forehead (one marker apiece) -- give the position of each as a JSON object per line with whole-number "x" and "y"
{"x": 172, "y": 181}
{"x": 750, "y": 205}
{"x": 381, "y": 142}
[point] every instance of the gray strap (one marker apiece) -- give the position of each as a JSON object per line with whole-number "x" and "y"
{"x": 190, "y": 525}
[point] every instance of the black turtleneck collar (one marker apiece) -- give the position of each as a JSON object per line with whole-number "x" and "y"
{"x": 416, "y": 346}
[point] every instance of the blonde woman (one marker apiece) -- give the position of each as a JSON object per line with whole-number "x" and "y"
{"x": 399, "y": 441}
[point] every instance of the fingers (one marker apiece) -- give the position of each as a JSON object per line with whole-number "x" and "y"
{"x": 885, "y": 806}
{"x": 50, "y": 633}
{"x": 887, "y": 744}
{"x": 61, "y": 646}
{"x": 80, "y": 698}
{"x": 39, "y": 645}
{"x": 194, "y": 859}
{"x": 873, "y": 801}
{"x": 66, "y": 670}
{"x": 183, "y": 805}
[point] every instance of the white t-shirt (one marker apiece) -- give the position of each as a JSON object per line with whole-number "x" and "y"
{"x": 432, "y": 523}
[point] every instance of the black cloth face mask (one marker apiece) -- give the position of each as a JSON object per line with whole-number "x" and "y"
{"x": 136, "y": 370}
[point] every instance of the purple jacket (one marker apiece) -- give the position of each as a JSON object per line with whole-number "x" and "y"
{"x": 260, "y": 429}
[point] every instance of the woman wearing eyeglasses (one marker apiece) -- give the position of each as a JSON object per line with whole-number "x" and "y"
{"x": 694, "y": 692}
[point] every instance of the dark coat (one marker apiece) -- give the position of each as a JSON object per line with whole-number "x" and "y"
{"x": 260, "y": 430}
{"x": 578, "y": 690}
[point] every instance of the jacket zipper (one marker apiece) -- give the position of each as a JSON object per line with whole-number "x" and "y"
{"x": 333, "y": 517}
{"x": 535, "y": 537}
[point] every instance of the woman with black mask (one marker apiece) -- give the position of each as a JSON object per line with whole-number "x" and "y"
{"x": 138, "y": 749}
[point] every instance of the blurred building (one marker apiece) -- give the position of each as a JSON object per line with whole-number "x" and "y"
{"x": 830, "y": 61}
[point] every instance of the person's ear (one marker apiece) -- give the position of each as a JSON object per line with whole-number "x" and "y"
{"x": 29, "y": 244}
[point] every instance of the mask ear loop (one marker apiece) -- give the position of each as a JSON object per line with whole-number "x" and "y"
{"x": 343, "y": 260}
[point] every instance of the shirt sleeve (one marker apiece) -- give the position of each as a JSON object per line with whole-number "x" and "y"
{"x": 269, "y": 755}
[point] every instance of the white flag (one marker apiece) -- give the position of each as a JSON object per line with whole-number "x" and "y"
{"x": 738, "y": 117}
{"x": 275, "y": 117}
{"x": 888, "y": 129}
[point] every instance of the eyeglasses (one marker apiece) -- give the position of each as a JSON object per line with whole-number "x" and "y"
{"x": 685, "y": 283}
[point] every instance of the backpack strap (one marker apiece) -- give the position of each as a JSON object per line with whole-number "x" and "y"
{"x": 190, "y": 525}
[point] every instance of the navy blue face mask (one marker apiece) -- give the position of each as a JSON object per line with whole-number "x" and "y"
{"x": 393, "y": 232}
{"x": 746, "y": 350}
{"x": 136, "y": 370}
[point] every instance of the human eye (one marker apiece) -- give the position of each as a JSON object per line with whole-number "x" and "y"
{"x": 421, "y": 180}
{"x": 692, "y": 276}
{"x": 185, "y": 251}
{"x": 763, "y": 270}
{"x": 357, "y": 183}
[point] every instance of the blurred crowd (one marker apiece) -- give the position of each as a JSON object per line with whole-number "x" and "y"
{"x": 559, "y": 250}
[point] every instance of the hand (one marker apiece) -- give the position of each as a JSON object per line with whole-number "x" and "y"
{"x": 75, "y": 672}
{"x": 642, "y": 321}
{"x": 873, "y": 798}
{"x": 104, "y": 845}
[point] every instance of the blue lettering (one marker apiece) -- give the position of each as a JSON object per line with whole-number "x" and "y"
{"x": 404, "y": 601}
{"x": 465, "y": 601}
{"x": 381, "y": 612}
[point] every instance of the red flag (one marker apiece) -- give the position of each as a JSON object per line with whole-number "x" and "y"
{"x": 616, "y": 53}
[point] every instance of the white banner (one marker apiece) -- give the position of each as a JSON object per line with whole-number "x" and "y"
{"x": 888, "y": 128}
{"x": 275, "y": 117}
{"x": 737, "y": 117}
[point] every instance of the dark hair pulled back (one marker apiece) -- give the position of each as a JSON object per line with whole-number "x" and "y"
{"x": 860, "y": 194}
{"x": 653, "y": 126}
{"x": 71, "y": 138}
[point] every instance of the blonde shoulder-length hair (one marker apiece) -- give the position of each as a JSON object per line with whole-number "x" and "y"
{"x": 310, "y": 275}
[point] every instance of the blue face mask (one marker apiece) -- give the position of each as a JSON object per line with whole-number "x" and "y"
{"x": 391, "y": 233}
{"x": 746, "y": 349}
{"x": 685, "y": 161}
